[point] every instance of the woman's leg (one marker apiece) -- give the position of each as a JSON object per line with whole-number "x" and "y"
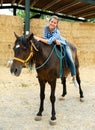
{"x": 71, "y": 64}
{"x": 70, "y": 61}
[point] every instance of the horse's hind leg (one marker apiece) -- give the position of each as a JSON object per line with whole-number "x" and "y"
{"x": 79, "y": 82}
{"x": 42, "y": 97}
{"x": 63, "y": 81}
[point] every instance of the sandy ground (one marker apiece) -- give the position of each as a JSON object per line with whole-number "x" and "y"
{"x": 19, "y": 102}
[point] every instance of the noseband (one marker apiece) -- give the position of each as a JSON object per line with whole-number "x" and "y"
{"x": 24, "y": 61}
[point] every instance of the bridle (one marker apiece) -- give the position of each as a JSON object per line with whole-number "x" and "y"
{"x": 24, "y": 61}
{"x": 28, "y": 58}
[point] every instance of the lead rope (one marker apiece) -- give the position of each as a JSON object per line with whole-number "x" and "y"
{"x": 31, "y": 68}
{"x": 59, "y": 54}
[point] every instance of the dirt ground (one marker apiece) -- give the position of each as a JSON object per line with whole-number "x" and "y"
{"x": 19, "y": 102}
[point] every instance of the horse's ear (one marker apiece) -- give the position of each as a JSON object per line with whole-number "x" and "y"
{"x": 16, "y": 35}
{"x": 30, "y": 36}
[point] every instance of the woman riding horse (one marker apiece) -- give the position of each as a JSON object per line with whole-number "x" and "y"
{"x": 51, "y": 34}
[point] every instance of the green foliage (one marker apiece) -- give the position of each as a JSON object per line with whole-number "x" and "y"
{"x": 92, "y": 20}
{"x": 21, "y": 13}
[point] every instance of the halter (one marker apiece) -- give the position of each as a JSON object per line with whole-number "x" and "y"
{"x": 24, "y": 61}
{"x": 28, "y": 58}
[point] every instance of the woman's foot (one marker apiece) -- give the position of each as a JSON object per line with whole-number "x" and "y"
{"x": 75, "y": 82}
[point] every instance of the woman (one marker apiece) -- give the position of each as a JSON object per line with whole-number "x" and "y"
{"x": 51, "y": 33}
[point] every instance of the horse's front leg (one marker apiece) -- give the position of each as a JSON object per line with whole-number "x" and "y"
{"x": 52, "y": 99}
{"x": 42, "y": 97}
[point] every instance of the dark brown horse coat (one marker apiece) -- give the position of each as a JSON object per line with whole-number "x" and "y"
{"x": 47, "y": 70}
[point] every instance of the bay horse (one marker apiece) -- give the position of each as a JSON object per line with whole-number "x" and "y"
{"x": 28, "y": 50}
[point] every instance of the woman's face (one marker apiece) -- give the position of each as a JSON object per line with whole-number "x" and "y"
{"x": 53, "y": 23}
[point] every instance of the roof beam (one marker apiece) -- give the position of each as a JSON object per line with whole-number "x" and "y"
{"x": 90, "y": 16}
{"x": 80, "y": 10}
{"x": 87, "y": 14}
{"x": 33, "y": 2}
{"x": 59, "y": 15}
{"x": 53, "y": 2}
{"x": 13, "y": 2}
{"x": 42, "y": 12}
{"x": 68, "y": 6}
{"x": 20, "y": 2}
{"x": 88, "y": 1}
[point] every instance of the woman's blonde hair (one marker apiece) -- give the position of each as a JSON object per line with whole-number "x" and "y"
{"x": 55, "y": 17}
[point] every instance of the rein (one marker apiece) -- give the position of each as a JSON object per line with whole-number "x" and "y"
{"x": 24, "y": 61}
{"x": 31, "y": 68}
{"x": 59, "y": 54}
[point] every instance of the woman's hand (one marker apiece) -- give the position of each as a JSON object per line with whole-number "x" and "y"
{"x": 37, "y": 38}
{"x": 58, "y": 42}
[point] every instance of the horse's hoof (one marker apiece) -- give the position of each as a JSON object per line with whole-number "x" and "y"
{"x": 38, "y": 118}
{"x": 81, "y": 99}
{"x": 52, "y": 122}
{"x": 61, "y": 98}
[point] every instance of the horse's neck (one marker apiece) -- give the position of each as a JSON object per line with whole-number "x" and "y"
{"x": 42, "y": 47}
{"x": 43, "y": 53}
{"x": 46, "y": 49}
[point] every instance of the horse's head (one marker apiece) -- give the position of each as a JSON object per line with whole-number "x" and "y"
{"x": 22, "y": 53}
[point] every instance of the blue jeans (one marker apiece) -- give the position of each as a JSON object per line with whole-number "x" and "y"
{"x": 70, "y": 60}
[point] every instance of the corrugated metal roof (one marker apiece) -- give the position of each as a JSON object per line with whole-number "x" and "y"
{"x": 77, "y": 8}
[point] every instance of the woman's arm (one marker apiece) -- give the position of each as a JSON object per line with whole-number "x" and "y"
{"x": 45, "y": 40}
{"x": 55, "y": 37}
{"x": 41, "y": 39}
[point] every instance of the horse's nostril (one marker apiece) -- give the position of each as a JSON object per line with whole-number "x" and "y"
{"x": 15, "y": 71}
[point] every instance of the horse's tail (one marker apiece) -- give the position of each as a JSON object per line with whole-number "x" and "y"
{"x": 76, "y": 58}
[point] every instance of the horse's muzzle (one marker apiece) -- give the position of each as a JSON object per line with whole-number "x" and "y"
{"x": 15, "y": 70}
